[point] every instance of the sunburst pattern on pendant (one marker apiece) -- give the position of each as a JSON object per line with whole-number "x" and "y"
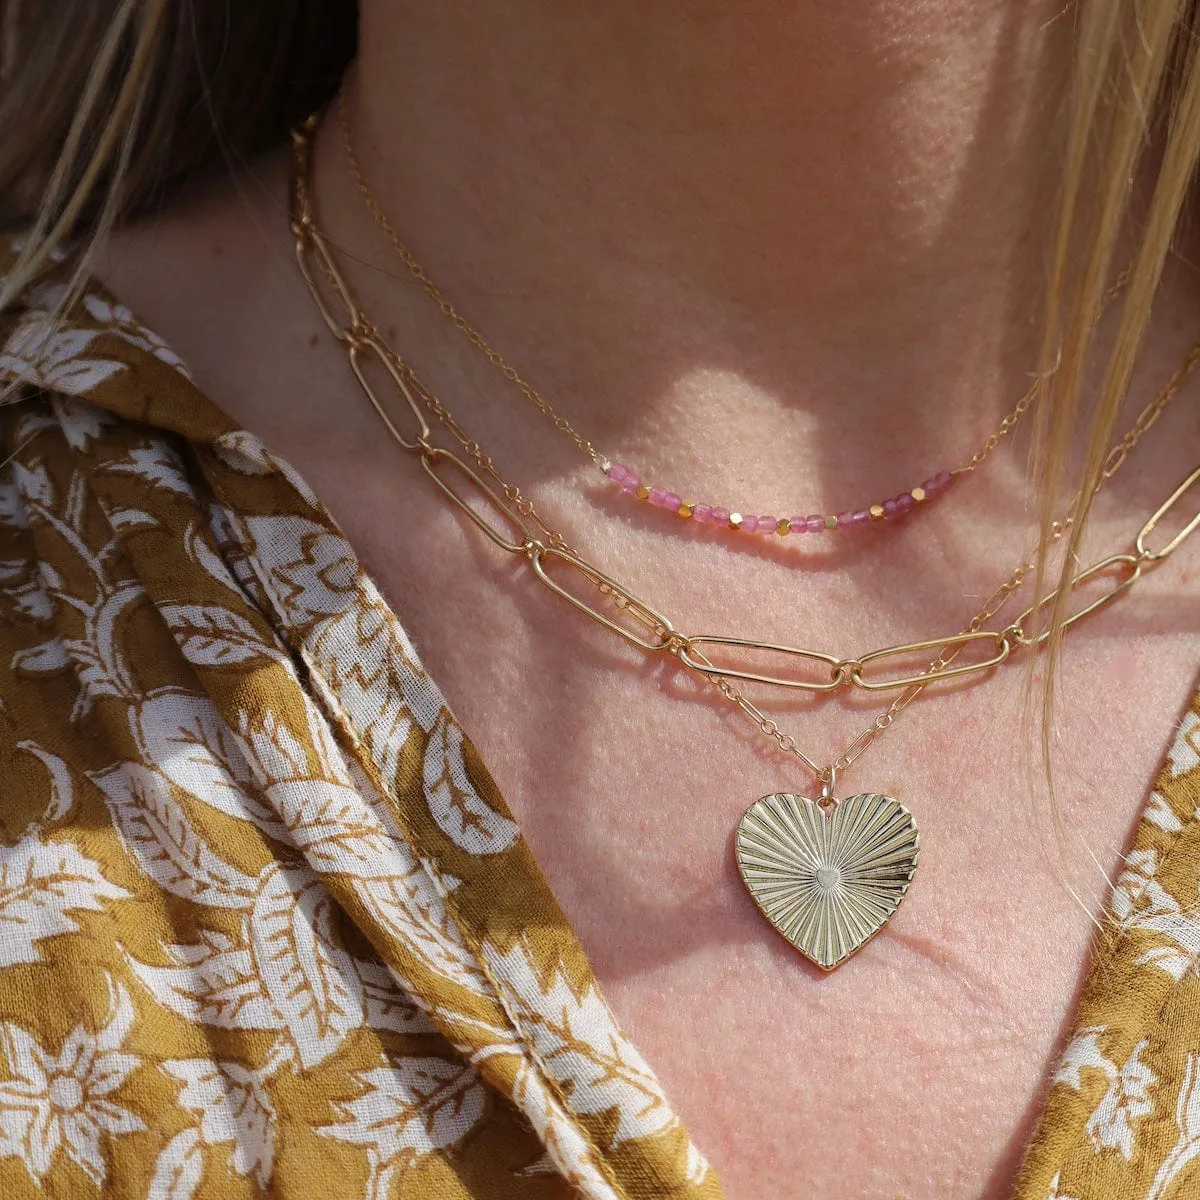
{"x": 827, "y": 881}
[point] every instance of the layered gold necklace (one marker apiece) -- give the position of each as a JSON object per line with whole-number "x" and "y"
{"x": 827, "y": 872}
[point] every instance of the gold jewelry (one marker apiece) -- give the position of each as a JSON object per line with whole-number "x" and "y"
{"x": 827, "y": 873}
{"x": 713, "y": 516}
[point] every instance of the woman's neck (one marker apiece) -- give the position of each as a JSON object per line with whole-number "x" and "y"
{"x": 813, "y": 205}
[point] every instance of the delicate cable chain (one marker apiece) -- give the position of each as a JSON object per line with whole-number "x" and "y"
{"x": 473, "y": 335}
{"x": 362, "y": 338}
{"x": 447, "y": 308}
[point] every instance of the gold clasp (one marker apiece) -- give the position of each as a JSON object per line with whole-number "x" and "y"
{"x": 828, "y": 781}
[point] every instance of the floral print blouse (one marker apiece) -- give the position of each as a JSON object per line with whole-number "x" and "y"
{"x": 267, "y": 926}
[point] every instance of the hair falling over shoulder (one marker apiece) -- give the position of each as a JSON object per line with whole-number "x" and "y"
{"x": 107, "y": 106}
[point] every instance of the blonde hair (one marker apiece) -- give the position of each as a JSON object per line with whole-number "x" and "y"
{"x": 106, "y": 107}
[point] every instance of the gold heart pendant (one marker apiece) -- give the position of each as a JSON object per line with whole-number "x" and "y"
{"x": 827, "y": 880}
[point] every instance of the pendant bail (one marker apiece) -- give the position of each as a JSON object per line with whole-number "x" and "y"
{"x": 828, "y": 781}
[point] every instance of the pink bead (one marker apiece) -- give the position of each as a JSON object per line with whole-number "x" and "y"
{"x": 749, "y": 524}
{"x": 799, "y": 525}
{"x": 905, "y": 503}
{"x": 630, "y": 484}
{"x": 672, "y": 501}
{"x": 844, "y": 518}
{"x": 938, "y": 484}
{"x": 815, "y": 523}
{"x": 658, "y": 497}
{"x": 766, "y": 524}
{"x": 617, "y": 473}
{"x": 890, "y": 510}
{"x": 720, "y": 516}
{"x": 861, "y": 516}
{"x": 703, "y": 513}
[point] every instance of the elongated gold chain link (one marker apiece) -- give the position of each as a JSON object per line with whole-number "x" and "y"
{"x": 524, "y": 532}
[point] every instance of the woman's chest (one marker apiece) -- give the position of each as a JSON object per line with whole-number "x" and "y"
{"x": 917, "y": 1068}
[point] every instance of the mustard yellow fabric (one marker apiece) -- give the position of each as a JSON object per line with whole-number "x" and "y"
{"x": 266, "y": 925}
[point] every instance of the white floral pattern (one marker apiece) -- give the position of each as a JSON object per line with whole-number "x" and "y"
{"x": 64, "y": 1102}
{"x": 247, "y": 811}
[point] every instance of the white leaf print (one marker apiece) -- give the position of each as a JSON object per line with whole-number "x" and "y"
{"x": 1187, "y": 1148}
{"x": 1083, "y": 1051}
{"x": 131, "y": 518}
{"x": 79, "y": 421}
{"x": 211, "y": 987}
{"x": 312, "y": 573}
{"x": 312, "y": 982}
{"x": 34, "y": 484}
{"x": 233, "y": 1107}
{"x": 1140, "y": 866}
{"x": 566, "y": 1146}
{"x": 159, "y": 835}
{"x": 35, "y": 353}
{"x": 408, "y": 907}
{"x": 26, "y": 590}
{"x": 409, "y": 1108}
{"x": 12, "y": 511}
{"x": 43, "y": 659}
{"x": 697, "y": 1166}
{"x": 579, "y": 1043}
{"x": 157, "y": 464}
{"x": 1111, "y": 1125}
{"x": 1054, "y": 1193}
{"x": 1160, "y": 813}
{"x": 62, "y": 789}
{"x": 1184, "y": 754}
{"x": 121, "y": 322}
{"x": 205, "y": 557}
{"x": 185, "y": 736}
{"x": 212, "y": 636}
{"x": 455, "y": 805}
{"x": 179, "y": 1168}
{"x": 246, "y": 453}
{"x": 387, "y": 1007}
{"x": 40, "y": 883}
{"x": 1159, "y": 912}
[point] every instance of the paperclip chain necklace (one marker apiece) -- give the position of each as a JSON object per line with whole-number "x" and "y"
{"x": 828, "y": 873}
{"x": 713, "y": 516}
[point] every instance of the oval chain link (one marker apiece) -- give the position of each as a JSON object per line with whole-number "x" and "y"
{"x": 524, "y": 532}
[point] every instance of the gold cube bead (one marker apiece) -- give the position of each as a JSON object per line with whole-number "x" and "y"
{"x": 783, "y": 527}
{"x": 735, "y": 520}
{"x": 876, "y": 511}
{"x": 831, "y": 522}
{"x": 643, "y": 492}
{"x": 918, "y": 494}
{"x": 687, "y": 508}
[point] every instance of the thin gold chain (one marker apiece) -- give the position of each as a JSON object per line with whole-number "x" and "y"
{"x": 439, "y": 298}
{"x": 510, "y": 373}
{"x": 522, "y": 531}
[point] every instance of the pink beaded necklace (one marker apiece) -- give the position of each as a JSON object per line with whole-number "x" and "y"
{"x": 713, "y": 516}
{"x": 732, "y": 519}
{"x": 720, "y": 517}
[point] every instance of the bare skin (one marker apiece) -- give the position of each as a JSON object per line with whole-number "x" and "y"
{"x": 825, "y": 220}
